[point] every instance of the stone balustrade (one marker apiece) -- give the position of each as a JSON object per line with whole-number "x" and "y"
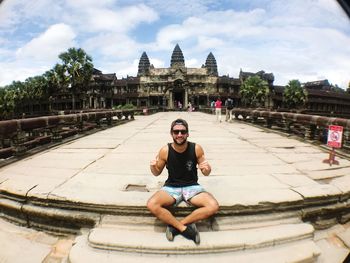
{"x": 311, "y": 127}
{"x": 19, "y": 135}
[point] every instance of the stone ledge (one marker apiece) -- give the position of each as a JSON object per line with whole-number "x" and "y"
{"x": 113, "y": 238}
{"x": 302, "y": 251}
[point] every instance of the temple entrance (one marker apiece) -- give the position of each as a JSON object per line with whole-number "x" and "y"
{"x": 179, "y": 99}
{"x": 179, "y": 95}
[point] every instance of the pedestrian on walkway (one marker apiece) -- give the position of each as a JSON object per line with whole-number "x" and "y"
{"x": 181, "y": 158}
{"x": 218, "y": 105}
{"x": 229, "y": 109}
{"x": 189, "y": 107}
{"x": 212, "y": 106}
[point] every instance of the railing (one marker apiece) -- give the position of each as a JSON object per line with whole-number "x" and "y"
{"x": 19, "y": 135}
{"x": 307, "y": 126}
{"x": 310, "y": 127}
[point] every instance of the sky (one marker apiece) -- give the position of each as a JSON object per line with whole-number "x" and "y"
{"x": 307, "y": 40}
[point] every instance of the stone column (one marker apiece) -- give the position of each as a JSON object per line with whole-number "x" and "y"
{"x": 171, "y": 101}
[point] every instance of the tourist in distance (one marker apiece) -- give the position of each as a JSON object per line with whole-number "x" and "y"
{"x": 229, "y": 109}
{"x": 218, "y": 105}
{"x": 181, "y": 158}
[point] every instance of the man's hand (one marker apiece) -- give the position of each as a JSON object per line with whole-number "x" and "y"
{"x": 153, "y": 166}
{"x": 158, "y": 163}
{"x": 205, "y": 167}
{"x": 153, "y": 162}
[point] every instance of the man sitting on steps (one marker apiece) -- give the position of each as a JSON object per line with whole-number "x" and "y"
{"x": 181, "y": 159}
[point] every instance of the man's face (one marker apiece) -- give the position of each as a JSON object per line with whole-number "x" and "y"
{"x": 180, "y": 134}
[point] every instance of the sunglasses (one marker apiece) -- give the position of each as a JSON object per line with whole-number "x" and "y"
{"x": 176, "y": 132}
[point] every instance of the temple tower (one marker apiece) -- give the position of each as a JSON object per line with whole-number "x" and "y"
{"x": 177, "y": 58}
{"x": 211, "y": 65}
{"x": 144, "y": 65}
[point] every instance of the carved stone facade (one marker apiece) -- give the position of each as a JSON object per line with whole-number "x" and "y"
{"x": 170, "y": 88}
{"x": 174, "y": 87}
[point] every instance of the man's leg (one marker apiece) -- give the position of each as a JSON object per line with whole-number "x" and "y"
{"x": 157, "y": 203}
{"x": 207, "y": 206}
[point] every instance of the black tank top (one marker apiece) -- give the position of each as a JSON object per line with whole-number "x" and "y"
{"x": 182, "y": 167}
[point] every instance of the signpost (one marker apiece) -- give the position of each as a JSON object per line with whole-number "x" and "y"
{"x": 334, "y": 140}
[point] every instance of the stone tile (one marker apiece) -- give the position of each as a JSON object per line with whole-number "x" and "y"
{"x": 294, "y": 180}
{"x": 328, "y": 174}
{"x": 345, "y": 237}
{"x": 229, "y": 169}
{"x": 106, "y": 189}
{"x": 241, "y": 197}
{"x": 331, "y": 253}
{"x": 317, "y": 191}
{"x": 318, "y": 165}
{"x": 342, "y": 183}
{"x": 300, "y": 157}
{"x": 15, "y": 248}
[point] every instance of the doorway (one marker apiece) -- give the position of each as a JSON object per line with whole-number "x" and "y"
{"x": 178, "y": 97}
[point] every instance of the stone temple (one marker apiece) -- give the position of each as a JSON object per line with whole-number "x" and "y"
{"x": 168, "y": 88}
{"x": 178, "y": 84}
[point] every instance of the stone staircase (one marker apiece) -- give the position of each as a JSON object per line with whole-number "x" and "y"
{"x": 252, "y": 240}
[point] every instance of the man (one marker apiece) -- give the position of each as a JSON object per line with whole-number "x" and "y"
{"x": 218, "y": 105}
{"x": 229, "y": 108}
{"x": 181, "y": 158}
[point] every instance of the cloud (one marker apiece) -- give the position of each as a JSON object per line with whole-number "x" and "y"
{"x": 181, "y": 8}
{"x": 284, "y": 43}
{"x": 47, "y": 46}
{"x": 112, "y": 46}
{"x": 309, "y": 39}
{"x": 36, "y": 56}
{"x": 117, "y": 20}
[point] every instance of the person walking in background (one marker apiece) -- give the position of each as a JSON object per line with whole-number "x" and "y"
{"x": 212, "y": 106}
{"x": 229, "y": 109}
{"x": 189, "y": 107}
{"x": 218, "y": 106}
{"x": 181, "y": 158}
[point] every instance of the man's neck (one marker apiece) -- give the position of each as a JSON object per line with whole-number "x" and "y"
{"x": 179, "y": 148}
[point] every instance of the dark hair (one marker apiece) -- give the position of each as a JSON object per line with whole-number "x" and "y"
{"x": 179, "y": 122}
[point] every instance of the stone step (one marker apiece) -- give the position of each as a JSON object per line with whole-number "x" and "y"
{"x": 303, "y": 251}
{"x": 217, "y": 223}
{"x": 106, "y": 244}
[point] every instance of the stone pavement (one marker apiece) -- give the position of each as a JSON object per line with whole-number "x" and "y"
{"x": 102, "y": 177}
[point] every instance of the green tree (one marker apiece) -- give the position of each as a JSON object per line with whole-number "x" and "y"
{"x": 254, "y": 91}
{"x": 78, "y": 68}
{"x": 8, "y": 98}
{"x": 294, "y": 95}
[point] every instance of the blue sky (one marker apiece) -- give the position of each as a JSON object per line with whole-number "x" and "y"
{"x": 295, "y": 39}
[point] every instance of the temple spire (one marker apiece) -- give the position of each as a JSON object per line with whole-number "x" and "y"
{"x": 211, "y": 65}
{"x": 177, "y": 58}
{"x": 144, "y": 65}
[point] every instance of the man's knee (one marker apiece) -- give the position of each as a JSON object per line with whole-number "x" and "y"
{"x": 152, "y": 205}
{"x": 213, "y": 207}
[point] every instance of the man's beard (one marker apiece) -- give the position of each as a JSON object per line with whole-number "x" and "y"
{"x": 181, "y": 143}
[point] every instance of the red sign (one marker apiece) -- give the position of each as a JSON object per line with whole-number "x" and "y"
{"x": 335, "y": 134}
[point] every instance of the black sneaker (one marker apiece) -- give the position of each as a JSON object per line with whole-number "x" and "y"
{"x": 171, "y": 232}
{"x": 192, "y": 233}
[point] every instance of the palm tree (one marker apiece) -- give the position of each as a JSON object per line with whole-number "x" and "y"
{"x": 8, "y": 104}
{"x": 254, "y": 91}
{"x": 56, "y": 81}
{"x": 78, "y": 68}
{"x": 294, "y": 95}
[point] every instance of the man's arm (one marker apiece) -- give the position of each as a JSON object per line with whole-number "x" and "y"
{"x": 203, "y": 164}
{"x": 157, "y": 165}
